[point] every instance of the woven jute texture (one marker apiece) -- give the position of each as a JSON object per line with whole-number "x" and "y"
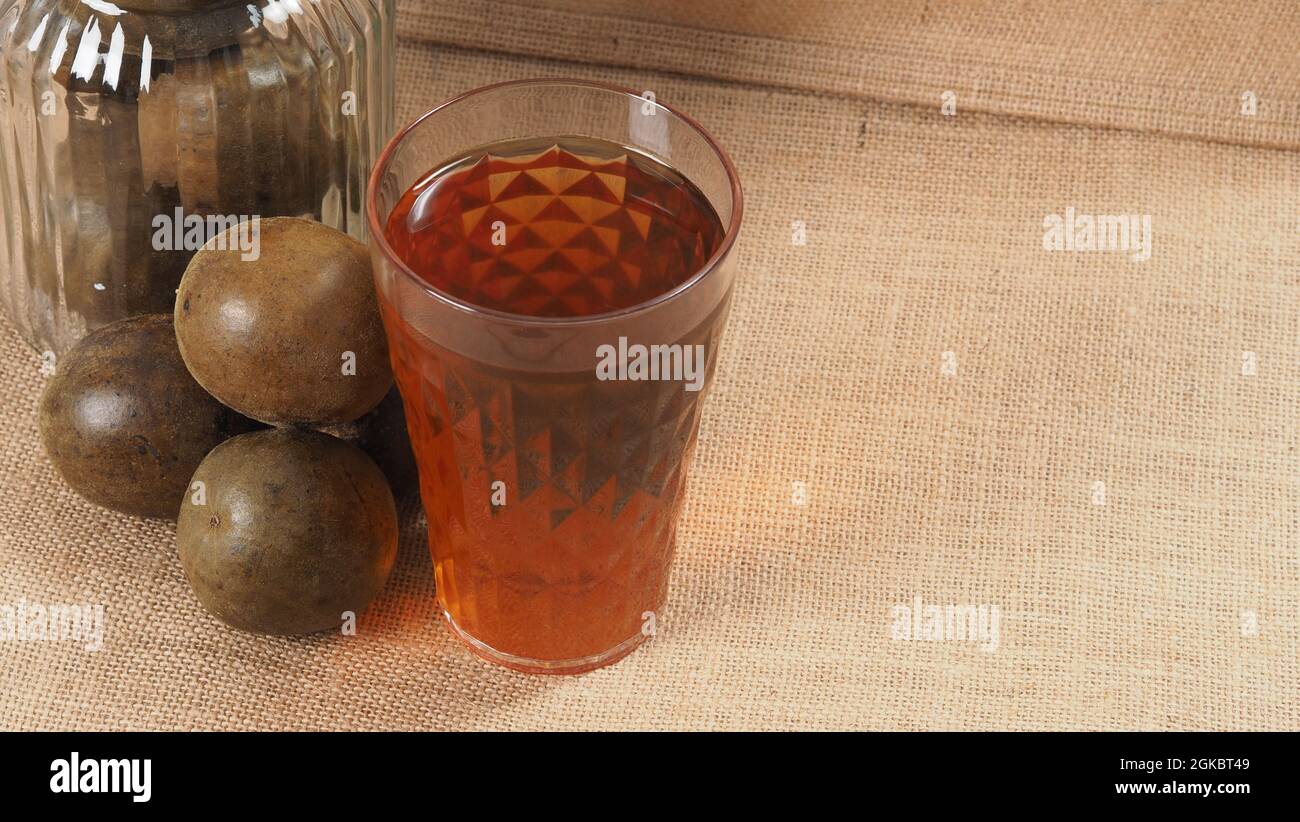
{"x": 1180, "y": 68}
{"x": 1101, "y": 448}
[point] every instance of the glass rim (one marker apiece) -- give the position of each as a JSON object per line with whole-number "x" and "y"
{"x": 380, "y": 239}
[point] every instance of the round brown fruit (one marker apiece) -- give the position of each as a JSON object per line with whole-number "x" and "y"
{"x": 295, "y": 529}
{"x": 291, "y": 336}
{"x": 124, "y": 422}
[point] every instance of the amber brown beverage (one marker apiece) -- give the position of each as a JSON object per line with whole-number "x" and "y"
{"x": 552, "y": 338}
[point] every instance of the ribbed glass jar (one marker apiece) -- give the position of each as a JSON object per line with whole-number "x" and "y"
{"x": 130, "y": 131}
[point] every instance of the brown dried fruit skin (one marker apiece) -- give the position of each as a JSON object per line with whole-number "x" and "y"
{"x": 124, "y": 422}
{"x": 268, "y": 336}
{"x": 297, "y": 528}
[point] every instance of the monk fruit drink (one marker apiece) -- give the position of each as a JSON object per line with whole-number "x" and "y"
{"x": 553, "y": 313}
{"x": 552, "y": 495}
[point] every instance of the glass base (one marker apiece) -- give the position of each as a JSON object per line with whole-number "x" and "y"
{"x": 580, "y": 665}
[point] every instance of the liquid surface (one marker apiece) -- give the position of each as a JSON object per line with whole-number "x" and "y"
{"x": 562, "y": 227}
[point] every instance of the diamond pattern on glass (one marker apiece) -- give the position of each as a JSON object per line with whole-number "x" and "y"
{"x": 555, "y": 233}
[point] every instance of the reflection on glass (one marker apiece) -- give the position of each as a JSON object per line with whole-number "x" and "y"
{"x": 119, "y": 119}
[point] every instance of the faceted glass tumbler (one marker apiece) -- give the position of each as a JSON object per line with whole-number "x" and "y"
{"x": 552, "y": 496}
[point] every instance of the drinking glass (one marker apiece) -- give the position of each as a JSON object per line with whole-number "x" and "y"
{"x": 552, "y": 494}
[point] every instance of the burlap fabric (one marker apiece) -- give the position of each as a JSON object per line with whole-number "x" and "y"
{"x": 1102, "y": 448}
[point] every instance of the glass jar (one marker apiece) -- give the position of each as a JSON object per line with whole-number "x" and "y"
{"x": 131, "y": 131}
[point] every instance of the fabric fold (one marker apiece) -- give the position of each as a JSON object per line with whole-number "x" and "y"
{"x": 1219, "y": 72}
